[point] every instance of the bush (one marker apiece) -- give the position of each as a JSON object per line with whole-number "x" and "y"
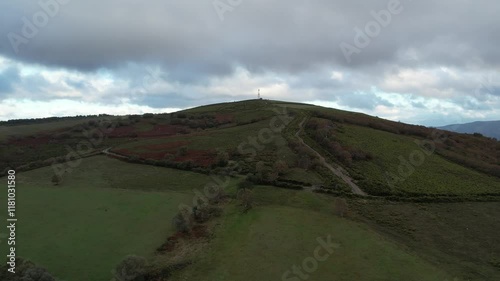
{"x": 131, "y": 268}
{"x": 25, "y": 271}
{"x": 134, "y": 159}
{"x": 56, "y": 179}
{"x": 218, "y": 195}
{"x": 182, "y": 222}
{"x": 222, "y": 159}
{"x": 281, "y": 167}
{"x": 204, "y": 213}
{"x": 182, "y": 151}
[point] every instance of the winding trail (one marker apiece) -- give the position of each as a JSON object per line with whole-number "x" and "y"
{"x": 339, "y": 172}
{"x": 109, "y": 153}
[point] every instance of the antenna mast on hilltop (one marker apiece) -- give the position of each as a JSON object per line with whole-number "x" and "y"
{"x": 258, "y": 94}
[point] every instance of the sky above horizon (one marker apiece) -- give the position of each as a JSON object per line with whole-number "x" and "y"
{"x": 421, "y": 62}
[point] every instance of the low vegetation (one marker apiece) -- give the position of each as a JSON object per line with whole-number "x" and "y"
{"x": 138, "y": 208}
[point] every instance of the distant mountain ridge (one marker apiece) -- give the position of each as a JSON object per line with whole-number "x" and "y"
{"x": 486, "y": 128}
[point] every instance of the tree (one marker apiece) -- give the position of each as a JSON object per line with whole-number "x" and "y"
{"x": 272, "y": 176}
{"x": 37, "y": 274}
{"x": 56, "y": 179}
{"x": 25, "y": 271}
{"x": 131, "y": 268}
{"x": 222, "y": 158}
{"x": 217, "y": 196}
{"x": 260, "y": 171}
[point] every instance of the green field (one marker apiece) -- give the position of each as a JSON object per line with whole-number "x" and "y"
{"x": 101, "y": 213}
{"x": 461, "y": 237}
{"x": 266, "y": 242}
{"x": 105, "y": 172}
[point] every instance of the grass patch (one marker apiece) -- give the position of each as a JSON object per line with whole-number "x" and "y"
{"x": 105, "y": 172}
{"x": 268, "y": 241}
{"x": 461, "y": 237}
{"x": 82, "y": 233}
{"x": 99, "y": 214}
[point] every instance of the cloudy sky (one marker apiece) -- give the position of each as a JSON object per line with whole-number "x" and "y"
{"x": 422, "y": 62}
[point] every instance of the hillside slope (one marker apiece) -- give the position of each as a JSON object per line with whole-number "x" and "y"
{"x": 264, "y": 139}
{"x": 403, "y": 202}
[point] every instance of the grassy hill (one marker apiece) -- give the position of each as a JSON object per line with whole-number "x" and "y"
{"x": 386, "y": 191}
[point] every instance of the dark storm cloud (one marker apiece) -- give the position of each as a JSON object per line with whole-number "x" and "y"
{"x": 189, "y": 40}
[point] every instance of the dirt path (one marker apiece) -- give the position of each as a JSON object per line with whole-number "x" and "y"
{"x": 107, "y": 152}
{"x": 339, "y": 172}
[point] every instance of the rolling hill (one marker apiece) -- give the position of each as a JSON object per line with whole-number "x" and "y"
{"x": 487, "y": 128}
{"x": 244, "y": 190}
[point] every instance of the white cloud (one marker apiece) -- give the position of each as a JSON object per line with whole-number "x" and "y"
{"x": 19, "y": 109}
{"x": 413, "y": 95}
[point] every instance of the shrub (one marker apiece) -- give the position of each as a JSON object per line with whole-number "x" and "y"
{"x": 134, "y": 159}
{"x": 222, "y": 159}
{"x": 182, "y": 222}
{"x": 37, "y": 274}
{"x": 182, "y": 151}
{"x": 25, "y": 271}
{"x": 218, "y": 195}
{"x": 202, "y": 214}
{"x": 131, "y": 268}
{"x": 280, "y": 167}
{"x": 56, "y": 179}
